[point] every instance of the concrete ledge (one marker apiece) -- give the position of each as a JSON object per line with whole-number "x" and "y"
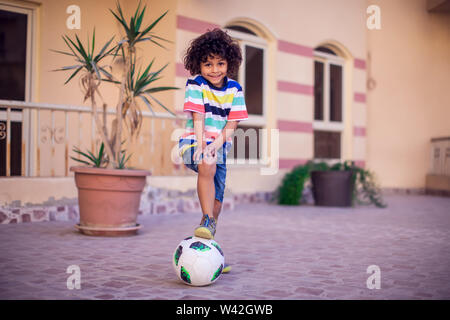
{"x": 153, "y": 201}
{"x": 437, "y": 184}
{"x": 403, "y": 191}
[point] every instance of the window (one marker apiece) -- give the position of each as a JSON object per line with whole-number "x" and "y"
{"x": 327, "y": 144}
{"x": 13, "y": 48}
{"x": 328, "y": 104}
{"x": 252, "y": 77}
{"x": 254, "y": 64}
{"x": 318, "y": 90}
{"x": 13, "y": 83}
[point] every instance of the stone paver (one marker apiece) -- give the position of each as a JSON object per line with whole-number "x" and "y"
{"x": 277, "y": 252}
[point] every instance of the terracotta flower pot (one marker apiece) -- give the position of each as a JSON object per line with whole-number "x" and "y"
{"x": 109, "y": 200}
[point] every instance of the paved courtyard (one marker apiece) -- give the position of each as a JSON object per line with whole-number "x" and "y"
{"x": 277, "y": 252}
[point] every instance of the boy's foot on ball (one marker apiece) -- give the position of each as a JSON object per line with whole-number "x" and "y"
{"x": 226, "y": 268}
{"x": 207, "y": 228}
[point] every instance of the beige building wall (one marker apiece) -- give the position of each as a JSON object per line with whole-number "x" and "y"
{"x": 52, "y": 161}
{"x": 293, "y": 33}
{"x": 340, "y": 23}
{"x": 96, "y": 14}
{"x": 387, "y": 129}
{"x": 53, "y": 158}
{"x": 410, "y": 104}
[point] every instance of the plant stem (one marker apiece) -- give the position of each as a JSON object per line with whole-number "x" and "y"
{"x": 123, "y": 98}
{"x": 98, "y": 124}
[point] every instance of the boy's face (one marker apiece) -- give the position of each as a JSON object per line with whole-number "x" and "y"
{"x": 214, "y": 70}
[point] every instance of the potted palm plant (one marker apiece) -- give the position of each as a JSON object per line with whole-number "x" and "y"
{"x": 109, "y": 192}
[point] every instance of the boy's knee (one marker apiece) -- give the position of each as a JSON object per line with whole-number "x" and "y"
{"x": 207, "y": 169}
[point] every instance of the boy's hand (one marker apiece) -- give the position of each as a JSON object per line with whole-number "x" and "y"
{"x": 197, "y": 154}
{"x": 205, "y": 150}
{"x": 210, "y": 152}
{"x": 200, "y": 149}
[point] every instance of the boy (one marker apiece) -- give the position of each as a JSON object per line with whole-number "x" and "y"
{"x": 214, "y": 104}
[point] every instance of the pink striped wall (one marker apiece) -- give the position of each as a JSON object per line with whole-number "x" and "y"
{"x": 285, "y": 163}
{"x": 292, "y": 87}
{"x": 294, "y": 48}
{"x": 295, "y": 126}
{"x": 359, "y": 63}
{"x": 200, "y": 26}
{"x": 194, "y": 25}
{"x": 180, "y": 71}
{"x": 360, "y": 163}
{"x": 359, "y": 131}
{"x": 360, "y": 97}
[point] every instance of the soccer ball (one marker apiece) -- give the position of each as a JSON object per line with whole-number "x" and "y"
{"x": 198, "y": 261}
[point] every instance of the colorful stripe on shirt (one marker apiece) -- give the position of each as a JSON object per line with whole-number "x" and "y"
{"x": 219, "y": 105}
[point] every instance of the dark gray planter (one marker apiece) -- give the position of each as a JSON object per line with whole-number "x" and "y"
{"x": 332, "y": 188}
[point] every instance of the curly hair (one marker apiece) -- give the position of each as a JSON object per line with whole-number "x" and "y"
{"x": 213, "y": 42}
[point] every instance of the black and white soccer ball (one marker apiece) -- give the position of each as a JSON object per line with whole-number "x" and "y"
{"x": 198, "y": 261}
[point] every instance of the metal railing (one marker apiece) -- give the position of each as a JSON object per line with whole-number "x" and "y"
{"x": 49, "y": 132}
{"x": 440, "y": 156}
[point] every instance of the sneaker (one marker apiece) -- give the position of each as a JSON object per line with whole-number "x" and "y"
{"x": 207, "y": 228}
{"x": 226, "y": 268}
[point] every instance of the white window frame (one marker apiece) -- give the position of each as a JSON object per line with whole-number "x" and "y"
{"x": 254, "y": 120}
{"x": 25, "y": 116}
{"x": 325, "y": 124}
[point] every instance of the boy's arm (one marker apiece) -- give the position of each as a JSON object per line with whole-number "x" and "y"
{"x": 227, "y": 132}
{"x": 199, "y": 125}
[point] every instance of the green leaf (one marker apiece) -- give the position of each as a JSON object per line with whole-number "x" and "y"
{"x": 159, "y": 89}
{"x": 85, "y": 155}
{"x": 158, "y": 102}
{"x": 157, "y": 37}
{"x": 66, "y": 39}
{"x": 92, "y": 159}
{"x": 62, "y": 52}
{"x": 121, "y": 19}
{"x": 93, "y": 44}
{"x": 140, "y": 18}
{"x": 82, "y": 161}
{"x": 68, "y": 68}
{"x": 107, "y": 74}
{"x": 81, "y": 50}
{"x": 102, "y": 148}
{"x": 132, "y": 27}
{"x": 95, "y": 69}
{"x": 99, "y": 56}
{"x": 147, "y": 70}
{"x": 112, "y": 81}
{"x": 73, "y": 75}
{"x": 150, "y": 27}
{"x": 149, "y": 105}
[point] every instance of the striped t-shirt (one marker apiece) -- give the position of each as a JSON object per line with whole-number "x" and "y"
{"x": 219, "y": 106}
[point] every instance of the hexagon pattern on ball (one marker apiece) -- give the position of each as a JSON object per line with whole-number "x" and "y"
{"x": 198, "y": 261}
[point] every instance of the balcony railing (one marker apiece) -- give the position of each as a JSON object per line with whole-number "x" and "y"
{"x": 440, "y": 156}
{"x": 36, "y": 139}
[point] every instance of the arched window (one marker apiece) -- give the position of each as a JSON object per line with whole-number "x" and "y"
{"x": 252, "y": 77}
{"x": 328, "y": 122}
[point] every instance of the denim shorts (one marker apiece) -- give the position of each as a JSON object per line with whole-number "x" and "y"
{"x": 221, "y": 168}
